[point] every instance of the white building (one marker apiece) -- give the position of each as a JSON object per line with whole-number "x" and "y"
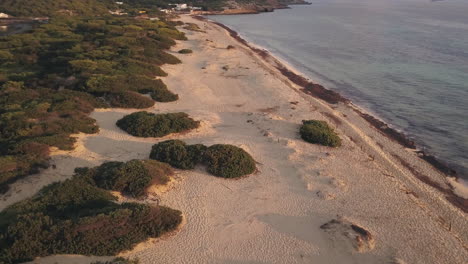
{"x": 181, "y": 7}
{"x": 3, "y": 15}
{"x": 119, "y": 3}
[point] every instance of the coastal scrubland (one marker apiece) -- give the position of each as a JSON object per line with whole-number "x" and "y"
{"x": 132, "y": 178}
{"x": 81, "y": 216}
{"x": 222, "y": 160}
{"x": 52, "y": 77}
{"x": 144, "y": 124}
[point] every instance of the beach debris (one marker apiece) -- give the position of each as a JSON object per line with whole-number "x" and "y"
{"x": 349, "y": 235}
{"x": 225, "y": 67}
{"x": 325, "y": 195}
{"x": 230, "y": 47}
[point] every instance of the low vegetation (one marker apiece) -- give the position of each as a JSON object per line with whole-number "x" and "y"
{"x": 53, "y": 7}
{"x": 53, "y": 76}
{"x": 129, "y": 99}
{"x": 118, "y": 260}
{"x": 318, "y": 132}
{"x": 131, "y": 178}
{"x": 228, "y": 161}
{"x": 192, "y": 27}
{"x": 225, "y": 161}
{"x": 78, "y": 217}
{"x": 144, "y": 124}
{"x": 178, "y": 154}
{"x": 185, "y": 51}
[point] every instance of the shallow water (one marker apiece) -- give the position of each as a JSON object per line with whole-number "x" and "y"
{"x": 404, "y": 60}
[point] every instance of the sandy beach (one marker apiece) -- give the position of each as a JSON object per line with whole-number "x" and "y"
{"x": 371, "y": 200}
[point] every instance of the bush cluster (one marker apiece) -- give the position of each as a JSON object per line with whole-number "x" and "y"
{"x": 54, "y": 75}
{"x": 129, "y": 99}
{"x": 178, "y": 154}
{"x": 130, "y": 178}
{"x": 144, "y": 124}
{"x": 77, "y": 217}
{"x": 225, "y": 161}
{"x": 318, "y": 132}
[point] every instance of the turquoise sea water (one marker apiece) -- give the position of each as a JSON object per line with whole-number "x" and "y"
{"x": 406, "y": 61}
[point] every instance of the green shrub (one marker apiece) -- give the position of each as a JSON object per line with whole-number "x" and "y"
{"x": 129, "y": 99}
{"x": 160, "y": 172}
{"x": 193, "y": 27}
{"x": 61, "y": 141}
{"x": 178, "y": 154}
{"x": 228, "y": 161}
{"x": 130, "y": 178}
{"x": 164, "y": 96}
{"x": 185, "y": 51}
{"x": 222, "y": 160}
{"x": 318, "y": 132}
{"x": 118, "y": 260}
{"x": 135, "y": 67}
{"x": 144, "y": 124}
{"x": 76, "y": 217}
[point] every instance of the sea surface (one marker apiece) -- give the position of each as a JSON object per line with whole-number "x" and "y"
{"x": 405, "y": 61}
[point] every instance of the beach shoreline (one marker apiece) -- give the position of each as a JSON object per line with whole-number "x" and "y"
{"x": 307, "y": 203}
{"x": 333, "y": 97}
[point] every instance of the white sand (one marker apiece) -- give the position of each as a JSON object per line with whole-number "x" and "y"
{"x": 275, "y": 215}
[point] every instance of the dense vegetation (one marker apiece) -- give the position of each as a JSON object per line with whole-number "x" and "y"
{"x": 222, "y": 160}
{"x": 129, "y": 99}
{"x": 37, "y": 8}
{"x": 52, "y": 77}
{"x": 118, "y": 260}
{"x": 53, "y": 7}
{"x": 77, "y": 217}
{"x": 228, "y": 161}
{"x": 144, "y": 124}
{"x": 131, "y": 178}
{"x": 318, "y": 132}
{"x": 185, "y": 51}
{"x": 178, "y": 154}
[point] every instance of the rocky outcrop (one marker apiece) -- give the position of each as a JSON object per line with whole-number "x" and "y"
{"x": 233, "y": 7}
{"x": 349, "y": 236}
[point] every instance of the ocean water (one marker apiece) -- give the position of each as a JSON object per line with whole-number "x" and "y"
{"x": 406, "y": 61}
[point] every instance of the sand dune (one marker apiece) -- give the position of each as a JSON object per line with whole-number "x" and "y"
{"x": 276, "y": 215}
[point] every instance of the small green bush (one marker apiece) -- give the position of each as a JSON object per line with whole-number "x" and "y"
{"x": 129, "y": 99}
{"x": 178, "y": 154}
{"x": 318, "y": 132}
{"x": 185, "y": 51}
{"x": 144, "y": 124}
{"x": 228, "y": 161}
